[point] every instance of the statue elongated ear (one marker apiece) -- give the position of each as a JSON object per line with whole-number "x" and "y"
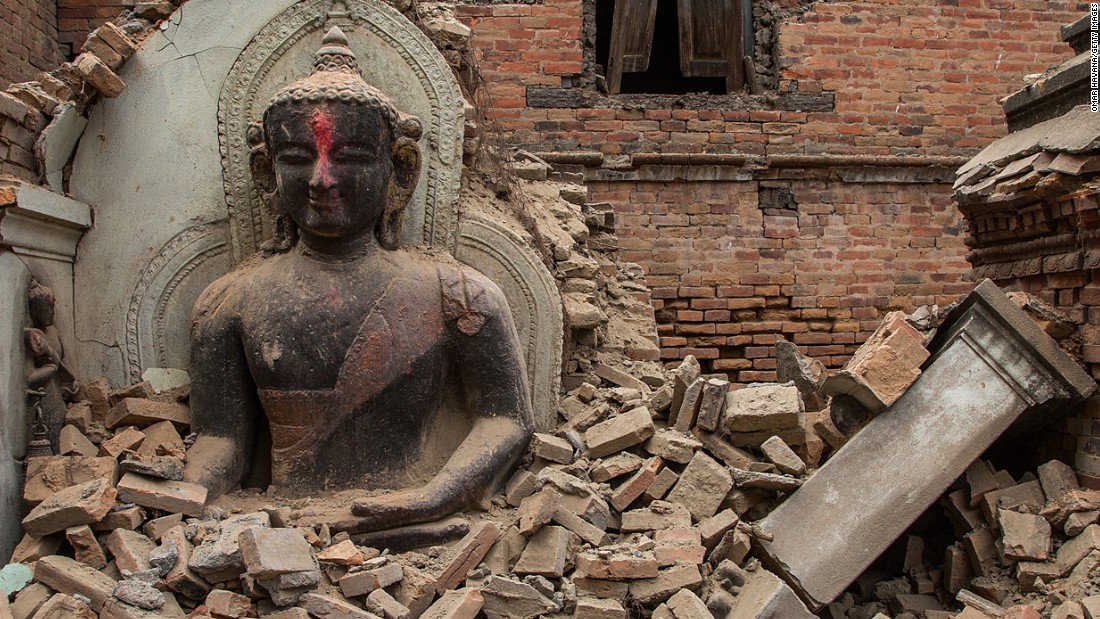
{"x": 406, "y": 173}
{"x": 259, "y": 163}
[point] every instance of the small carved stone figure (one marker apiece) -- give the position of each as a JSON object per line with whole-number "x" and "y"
{"x": 339, "y": 360}
{"x": 50, "y": 382}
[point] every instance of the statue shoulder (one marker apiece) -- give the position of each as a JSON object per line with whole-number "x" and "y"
{"x": 470, "y": 299}
{"x": 221, "y": 298}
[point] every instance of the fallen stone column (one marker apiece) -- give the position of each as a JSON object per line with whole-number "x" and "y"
{"x": 991, "y": 365}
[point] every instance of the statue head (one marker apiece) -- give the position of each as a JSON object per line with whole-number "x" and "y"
{"x": 340, "y": 160}
{"x": 41, "y": 301}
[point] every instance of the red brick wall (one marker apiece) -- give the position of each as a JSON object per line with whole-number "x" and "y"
{"x": 77, "y": 18}
{"x": 28, "y": 39}
{"x": 909, "y": 78}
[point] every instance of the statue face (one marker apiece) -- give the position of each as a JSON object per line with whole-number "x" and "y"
{"x": 332, "y": 166}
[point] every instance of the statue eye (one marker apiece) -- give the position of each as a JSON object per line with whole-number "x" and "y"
{"x": 353, "y": 154}
{"x": 293, "y": 156}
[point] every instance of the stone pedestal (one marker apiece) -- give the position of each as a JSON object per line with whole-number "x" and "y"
{"x": 991, "y": 366}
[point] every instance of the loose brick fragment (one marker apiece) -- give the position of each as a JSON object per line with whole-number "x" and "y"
{"x": 384, "y": 605}
{"x": 616, "y": 563}
{"x": 678, "y": 545}
{"x": 546, "y": 553}
{"x": 659, "y": 515}
{"x": 712, "y": 529}
{"x": 86, "y": 548}
{"x": 686, "y": 605}
{"x": 32, "y": 548}
{"x": 268, "y": 553}
{"x": 615, "y": 466}
{"x": 228, "y": 605}
{"x": 1026, "y": 536}
{"x": 650, "y": 591}
{"x": 764, "y": 408}
{"x": 345, "y": 553}
{"x": 162, "y": 439}
{"x": 633, "y": 488}
{"x": 783, "y": 457}
{"x": 141, "y": 412}
{"x": 520, "y": 486}
{"x": 121, "y": 518}
{"x": 170, "y": 496}
{"x": 618, "y": 377}
{"x": 682, "y": 378}
{"x": 156, "y": 527}
{"x": 597, "y": 608}
{"x": 76, "y": 505}
{"x": 61, "y": 606}
{"x": 130, "y": 549}
{"x": 456, "y": 604}
{"x": 126, "y": 440}
{"x": 64, "y": 575}
{"x": 702, "y": 486}
{"x": 689, "y": 406}
{"x": 29, "y": 600}
{"x": 672, "y": 446}
{"x": 468, "y": 552}
{"x": 712, "y": 404}
{"x": 323, "y": 606}
{"x": 537, "y": 509}
{"x": 180, "y": 577}
{"x": 585, "y": 530}
{"x": 48, "y": 475}
{"x": 552, "y": 448}
{"x": 366, "y": 581}
{"x": 661, "y": 485}
{"x": 99, "y": 75}
{"x": 618, "y": 433}
{"x": 73, "y": 443}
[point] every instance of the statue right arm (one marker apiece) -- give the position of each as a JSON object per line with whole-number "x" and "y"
{"x": 224, "y": 405}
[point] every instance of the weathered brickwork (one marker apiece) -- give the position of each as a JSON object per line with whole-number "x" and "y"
{"x": 76, "y": 18}
{"x": 909, "y": 79}
{"x": 28, "y": 39}
{"x": 728, "y": 276}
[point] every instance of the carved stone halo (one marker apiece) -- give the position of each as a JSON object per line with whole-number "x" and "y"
{"x": 397, "y": 59}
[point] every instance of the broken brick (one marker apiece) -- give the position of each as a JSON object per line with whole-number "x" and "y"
{"x": 618, "y": 433}
{"x": 130, "y": 549}
{"x": 365, "y": 581}
{"x": 1026, "y": 536}
{"x": 617, "y": 563}
{"x": 702, "y": 486}
{"x": 170, "y": 496}
{"x": 783, "y": 457}
{"x": 125, "y": 440}
{"x": 48, "y": 475}
{"x": 633, "y": 488}
{"x": 546, "y": 553}
{"x": 67, "y": 576}
{"x": 456, "y": 604}
{"x": 86, "y": 548}
{"x": 552, "y": 448}
{"x": 141, "y": 412}
{"x": 469, "y": 551}
{"x": 672, "y": 446}
{"x": 76, "y": 505}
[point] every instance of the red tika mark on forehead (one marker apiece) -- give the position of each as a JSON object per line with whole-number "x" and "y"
{"x": 323, "y": 128}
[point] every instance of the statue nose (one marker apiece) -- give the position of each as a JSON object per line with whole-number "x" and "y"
{"x": 322, "y": 178}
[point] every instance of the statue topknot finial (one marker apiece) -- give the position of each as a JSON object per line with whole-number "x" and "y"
{"x": 336, "y": 77}
{"x": 335, "y": 55}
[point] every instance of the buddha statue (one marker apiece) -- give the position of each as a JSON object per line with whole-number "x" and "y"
{"x": 336, "y": 359}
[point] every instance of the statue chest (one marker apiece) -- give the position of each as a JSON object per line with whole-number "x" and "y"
{"x": 326, "y": 337}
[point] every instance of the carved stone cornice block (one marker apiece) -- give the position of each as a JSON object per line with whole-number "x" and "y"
{"x": 991, "y": 369}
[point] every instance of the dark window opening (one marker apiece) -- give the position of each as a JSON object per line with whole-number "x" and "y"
{"x": 656, "y": 35}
